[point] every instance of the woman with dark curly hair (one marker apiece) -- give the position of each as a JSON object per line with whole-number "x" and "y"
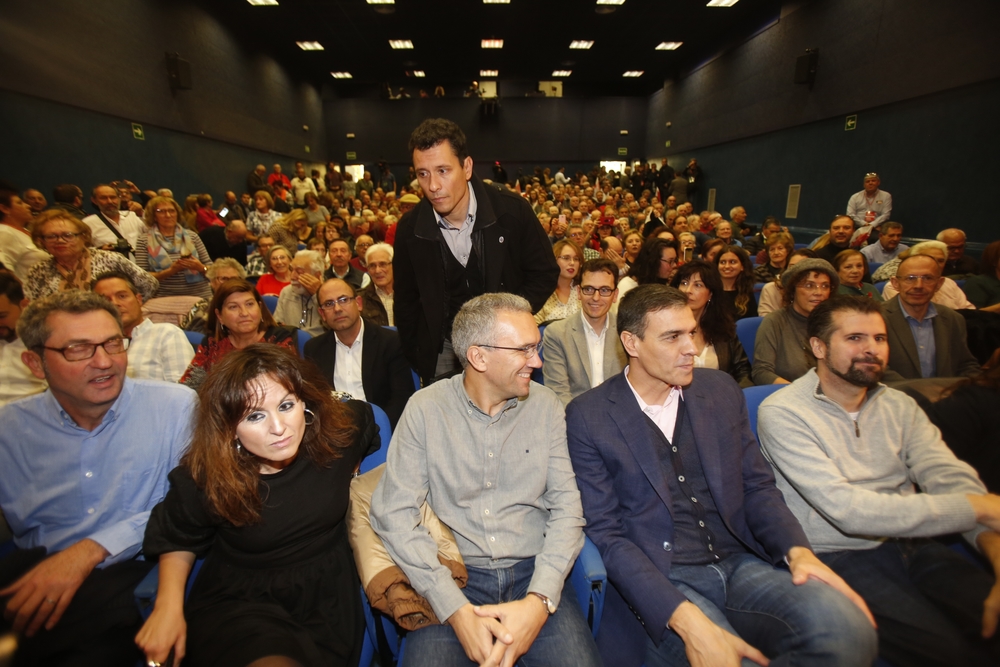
{"x": 656, "y": 262}
{"x": 715, "y": 338}
{"x": 736, "y": 271}
{"x": 262, "y": 496}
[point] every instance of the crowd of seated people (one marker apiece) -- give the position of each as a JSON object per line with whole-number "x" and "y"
{"x": 327, "y": 254}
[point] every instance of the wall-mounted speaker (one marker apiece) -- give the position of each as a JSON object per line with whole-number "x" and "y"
{"x": 178, "y": 72}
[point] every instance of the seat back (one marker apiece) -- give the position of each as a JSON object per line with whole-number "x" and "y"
{"x": 746, "y": 331}
{"x": 195, "y": 338}
{"x": 537, "y": 374}
{"x": 754, "y": 396}
{"x": 270, "y": 301}
{"x": 302, "y": 337}
{"x": 376, "y": 459}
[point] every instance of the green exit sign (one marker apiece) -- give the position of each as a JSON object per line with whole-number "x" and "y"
{"x": 351, "y": 155}
{"x": 137, "y": 132}
{"x": 851, "y": 123}
{"x": 623, "y": 151}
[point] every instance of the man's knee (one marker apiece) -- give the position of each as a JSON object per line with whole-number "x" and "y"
{"x": 839, "y": 630}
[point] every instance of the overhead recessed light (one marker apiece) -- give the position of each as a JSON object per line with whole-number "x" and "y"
{"x": 419, "y": 73}
{"x": 721, "y": 3}
{"x": 492, "y": 43}
{"x": 341, "y": 75}
{"x": 310, "y": 46}
{"x": 400, "y": 43}
{"x": 562, "y": 72}
{"x": 633, "y": 73}
{"x": 496, "y": 2}
{"x": 381, "y": 2}
{"x": 488, "y": 72}
{"x": 263, "y": 3}
{"x": 611, "y": 2}
{"x": 668, "y": 46}
{"x": 581, "y": 44}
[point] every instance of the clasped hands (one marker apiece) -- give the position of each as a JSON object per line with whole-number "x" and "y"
{"x": 496, "y": 635}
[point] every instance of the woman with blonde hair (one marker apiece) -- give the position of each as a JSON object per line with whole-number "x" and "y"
{"x": 262, "y": 496}
{"x": 565, "y": 300}
{"x": 291, "y": 230}
{"x": 173, "y": 254}
{"x": 189, "y": 217}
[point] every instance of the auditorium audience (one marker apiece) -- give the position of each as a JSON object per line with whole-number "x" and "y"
{"x": 263, "y": 217}
{"x": 715, "y": 338}
{"x": 237, "y": 318}
{"x": 851, "y": 268}
{"x": 74, "y": 261}
{"x": 219, "y": 272}
{"x": 736, "y": 272}
{"x": 377, "y": 298}
{"x": 256, "y": 265}
{"x": 565, "y": 300}
{"x": 171, "y": 253}
{"x": 888, "y": 245}
{"x": 958, "y": 264}
{"x": 947, "y": 294}
{"x": 315, "y": 213}
{"x": 279, "y": 260}
{"x": 777, "y": 248}
{"x": 297, "y": 305}
{"x": 16, "y": 379}
{"x": 17, "y": 251}
{"x": 656, "y": 262}
{"x": 291, "y": 230}
{"x": 983, "y": 290}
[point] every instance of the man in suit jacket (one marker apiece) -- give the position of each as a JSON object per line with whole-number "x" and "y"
{"x": 363, "y": 359}
{"x": 925, "y": 339}
{"x": 583, "y": 349}
{"x": 684, "y": 508}
{"x": 464, "y": 239}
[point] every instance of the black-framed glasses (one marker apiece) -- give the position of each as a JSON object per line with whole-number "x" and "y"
{"x": 588, "y": 290}
{"x": 84, "y": 351}
{"x": 529, "y": 351}
{"x": 332, "y": 303}
{"x": 64, "y": 236}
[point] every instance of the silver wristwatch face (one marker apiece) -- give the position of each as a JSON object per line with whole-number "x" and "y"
{"x": 549, "y": 606}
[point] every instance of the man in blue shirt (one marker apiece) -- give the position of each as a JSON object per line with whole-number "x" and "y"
{"x": 81, "y": 466}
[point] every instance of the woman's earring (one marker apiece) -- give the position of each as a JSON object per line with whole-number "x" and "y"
{"x": 236, "y": 441}
{"x": 311, "y": 414}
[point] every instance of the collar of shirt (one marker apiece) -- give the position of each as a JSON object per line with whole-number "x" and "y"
{"x": 931, "y": 312}
{"x": 664, "y": 416}
{"x": 139, "y": 330}
{"x": 589, "y": 330}
{"x": 121, "y": 404}
{"x": 357, "y": 341}
{"x": 469, "y": 219}
{"x": 472, "y": 408}
{"x": 382, "y": 294}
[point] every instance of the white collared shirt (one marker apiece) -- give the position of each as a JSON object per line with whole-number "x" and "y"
{"x": 595, "y": 347}
{"x": 664, "y": 416}
{"x": 347, "y": 367}
{"x": 459, "y": 239}
{"x": 158, "y": 351}
{"x": 387, "y": 300}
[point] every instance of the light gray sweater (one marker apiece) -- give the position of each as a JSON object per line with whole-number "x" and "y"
{"x": 851, "y": 484}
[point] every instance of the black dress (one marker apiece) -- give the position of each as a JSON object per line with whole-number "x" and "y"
{"x": 729, "y": 300}
{"x": 285, "y": 586}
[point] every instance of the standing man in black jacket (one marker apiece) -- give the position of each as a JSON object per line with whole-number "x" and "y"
{"x": 464, "y": 239}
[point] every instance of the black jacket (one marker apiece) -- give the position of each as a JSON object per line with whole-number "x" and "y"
{"x": 385, "y": 375}
{"x": 514, "y": 254}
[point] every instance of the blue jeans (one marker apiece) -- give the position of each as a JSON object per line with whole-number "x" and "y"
{"x": 811, "y": 624}
{"x": 926, "y": 599}
{"x": 565, "y": 638}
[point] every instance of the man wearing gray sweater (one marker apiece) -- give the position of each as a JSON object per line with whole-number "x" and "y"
{"x": 850, "y": 456}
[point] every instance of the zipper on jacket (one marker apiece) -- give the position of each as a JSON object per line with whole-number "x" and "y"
{"x": 857, "y": 430}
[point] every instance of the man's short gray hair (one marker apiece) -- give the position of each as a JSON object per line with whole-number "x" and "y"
{"x": 33, "y": 328}
{"x": 476, "y": 322}
{"x": 379, "y": 247}
{"x": 951, "y": 230}
{"x": 225, "y": 263}
{"x": 316, "y": 264}
{"x": 734, "y": 210}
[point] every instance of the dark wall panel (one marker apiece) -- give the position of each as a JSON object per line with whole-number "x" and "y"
{"x": 110, "y": 57}
{"x": 936, "y": 156}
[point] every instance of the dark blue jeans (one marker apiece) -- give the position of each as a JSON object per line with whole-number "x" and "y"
{"x": 564, "y": 640}
{"x": 927, "y": 600}
{"x": 810, "y": 625}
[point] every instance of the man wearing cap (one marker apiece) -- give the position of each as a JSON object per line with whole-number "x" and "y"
{"x": 463, "y": 240}
{"x": 871, "y": 206}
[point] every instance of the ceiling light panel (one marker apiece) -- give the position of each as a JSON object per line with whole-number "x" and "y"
{"x": 400, "y": 43}
{"x": 562, "y": 72}
{"x": 488, "y": 72}
{"x": 381, "y": 2}
{"x": 721, "y": 3}
{"x": 310, "y": 46}
{"x": 633, "y": 74}
{"x": 496, "y": 2}
{"x": 581, "y": 44}
{"x": 263, "y": 3}
{"x": 341, "y": 75}
{"x": 492, "y": 43}
{"x": 611, "y": 2}
{"x": 419, "y": 73}
{"x": 668, "y": 46}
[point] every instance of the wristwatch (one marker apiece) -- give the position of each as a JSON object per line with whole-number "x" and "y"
{"x": 549, "y": 606}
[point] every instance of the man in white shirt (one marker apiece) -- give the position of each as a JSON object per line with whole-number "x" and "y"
{"x": 16, "y": 379}
{"x": 888, "y": 245}
{"x": 108, "y": 220}
{"x": 871, "y": 206}
{"x": 583, "y": 350}
{"x": 302, "y": 185}
{"x": 358, "y": 356}
{"x": 297, "y": 305}
{"x": 159, "y": 350}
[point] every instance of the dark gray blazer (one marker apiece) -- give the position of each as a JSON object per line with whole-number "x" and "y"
{"x": 953, "y": 358}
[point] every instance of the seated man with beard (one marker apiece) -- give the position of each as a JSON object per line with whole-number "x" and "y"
{"x": 850, "y": 456}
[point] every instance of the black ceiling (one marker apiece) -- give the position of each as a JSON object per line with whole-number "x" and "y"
{"x": 446, "y": 35}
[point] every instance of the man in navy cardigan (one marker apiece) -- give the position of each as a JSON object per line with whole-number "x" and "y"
{"x": 683, "y": 506}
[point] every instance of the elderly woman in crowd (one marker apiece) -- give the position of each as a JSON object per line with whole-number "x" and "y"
{"x": 566, "y": 299}
{"x": 220, "y": 271}
{"x": 715, "y": 338}
{"x": 770, "y": 296}
{"x": 279, "y": 261}
{"x": 736, "y": 270}
{"x": 173, "y": 254}
{"x": 781, "y": 350}
{"x": 851, "y": 268}
{"x": 237, "y": 318}
{"x": 778, "y": 247}
{"x": 315, "y": 213}
{"x": 262, "y": 495}
{"x": 74, "y": 262}
{"x": 656, "y": 262}
{"x": 949, "y": 294}
{"x": 262, "y": 217}
{"x": 633, "y": 244}
{"x": 983, "y": 290}
{"x": 291, "y": 230}
{"x": 724, "y": 231}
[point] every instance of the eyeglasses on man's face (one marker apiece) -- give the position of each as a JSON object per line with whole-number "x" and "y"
{"x": 588, "y": 290}
{"x": 529, "y": 351}
{"x": 333, "y": 303}
{"x": 84, "y": 351}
